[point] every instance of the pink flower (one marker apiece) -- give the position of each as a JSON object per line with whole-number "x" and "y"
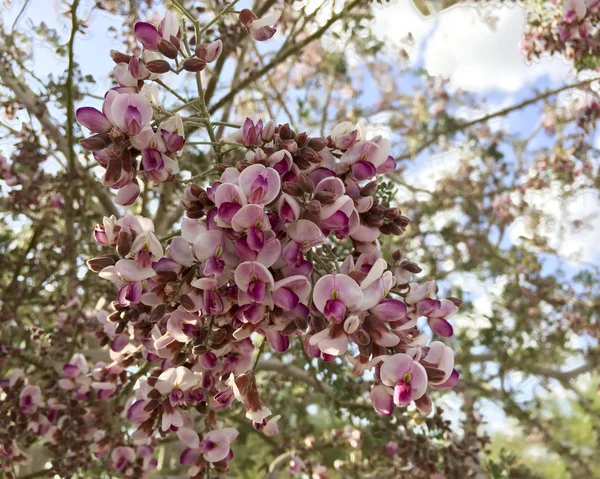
{"x": 259, "y": 28}
{"x": 334, "y": 294}
{"x": 407, "y": 378}
{"x": 260, "y": 184}
{"x": 254, "y": 281}
{"x": 216, "y": 444}
{"x": 149, "y": 36}
{"x": 30, "y": 398}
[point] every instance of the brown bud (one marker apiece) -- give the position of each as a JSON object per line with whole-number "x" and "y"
{"x": 397, "y": 255}
{"x": 158, "y": 313}
{"x": 285, "y": 132}
{"x": 301, "y": 163}
{"x": 119, "y": 57}
{"x": 152, "y": 405}
{"x": 362, "y": 338}
{"x": 305, "y": 183}
{"x": 167, "y": 49}
{"x": 410, "y": 266}
{"x": 289, "y": 329}
{"x": 218, "y": 336}
{"x": 187, "y": 303}
{"x": 424, "y": 404}
{"x": 317, "y": 144}
{"x": 114, "y": 317}
{"x": 175, "y": 41}
{"x": 113, "y": 171}
{"x": 158, "y": 66}
{"x": 377, "y": 209}
{"x": 310, "y": 155}
{"x": 457, "y": 302}
{"x": 194, "y": 65}
{"x": 373, "y": 221}
{"x": 319, "y": 323}
{"x": 100, "y": 262}
{"x": 314, "y": 207}
{"x": 326, "y": 197}
{"x": 393, "y": 229}
{"x": 95, "y": 142}
{"x": 391, "y": 213}
{"x": 301, "y": 139}
{"x": 120, "y": 327}
{"x": 196, "y": 190}
{"x": 125, "y": 241}
{"x": 163, "y": 277}
{"x": 369, "y": 189}
{"x": 402, "y": 221}
{"x": 301, "y": 323}
{"x": 293, "y": 189}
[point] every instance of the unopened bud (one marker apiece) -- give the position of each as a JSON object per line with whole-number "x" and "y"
{"x": 397, "y": 255}
{"x": 158, "y": 66}
{"x": 124, "y": 242}
{"x": 158, "y": 313}
{"x": 99, "y": 263}
{"x": 305, "y": 183}
{"x": 411, "y": 266}
{"x": 194, "y": 65}
{"x": 289, "y": 145}
{"x": 402, "y": 221}
{"x": 362, "y": 338}
{"x": 168, "y": 49}
{"x": 391, "y": 213}
{"x": 119, "y": 57}
{"x": 326, "y": 197}
{"x": 314, "y": 207}
{"x": 301, "y": 139}
{"x": 285, "y": 132}
{"x": 95, "y": 142}
{"x": 292, "y": 189}
{"x": 317, "y": 144}
{"x": 369, "y": 189}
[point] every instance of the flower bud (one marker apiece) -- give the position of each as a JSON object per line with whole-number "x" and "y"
{"x": 424, "y": 404}
{"x": 373, "y": 221}
{"x": 167, "y": 49}
{"x": 125, "y": 242}
{"x": 114, "y": 317}
{"x": 95, "y": 142}
{"x": 402, "y": 221}
{"x": 285, "y": 132}
{"x": 113, "y": 171}
{"x": 369, "y": 189}
{"x": 158, "y": 66}
{"x": 317, "y": 143}
{"x": 326, "y": 197}
{"x": 157, "y": 313}
{"x": 305, "y": 183}
{"x": 391, "y": 213}
{"x": 119, "y": 57}
{"x": 319, "y": 323}
{"x": 209, "y": 52}
{"x": 292, "y": 189}
{"x": 411, "y": 266}
{"x": 397, "y": 255}
{"x": 310, "y": 155}
{"x": 362, "y": 338}
{"x": 100, "y": 262}
{"x": 314, "y": 207}
{"x": 301, "y": 139}
{"x": 268, "y": 131}
{"x": 194, "y": 65}
{"x": 289, "y": 145}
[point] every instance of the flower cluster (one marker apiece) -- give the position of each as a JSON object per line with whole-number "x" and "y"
{"x": 257, "y": 255}
{"x": 569, "y": 28}
{"x": 284, "y": 244}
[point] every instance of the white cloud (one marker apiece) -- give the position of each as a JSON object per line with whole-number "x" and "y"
{"x": 479, "y": 58}
{"x": 575, "y": 244}
{"x": 467, "y": 44}
{"x": 394, "y": 22}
